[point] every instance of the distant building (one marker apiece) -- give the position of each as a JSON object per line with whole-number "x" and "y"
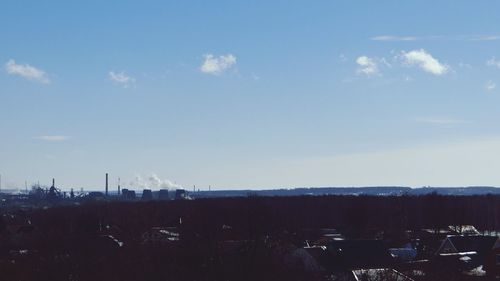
{"x": 96, "y": 195}
{"x": 147, "y": 195}
{"x": 181, "y": 194}
{"x": 163, "y": 194}
{"x": 128, "y": 194}
{"x": 54, "y": 193}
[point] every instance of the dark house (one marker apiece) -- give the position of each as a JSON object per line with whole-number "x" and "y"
{"x": 432, "y": 239}
{"x": 461, "y": 244}
{"x": 492, "y": 260}
{"x": 465, "y": 251}
{"x": 354, "y": 254}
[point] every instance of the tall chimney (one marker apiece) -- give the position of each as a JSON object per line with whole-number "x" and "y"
{"x": 118, "y": 186}
{"x": 53, "y": 182}
{"x": 106, "y": 184}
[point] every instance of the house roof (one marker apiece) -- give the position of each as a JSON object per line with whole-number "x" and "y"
{"x": 464, "y": 229}
{"x": 477, "y": 243}
{"x": 380, "y": 274}
{"x": 357, "y": 254}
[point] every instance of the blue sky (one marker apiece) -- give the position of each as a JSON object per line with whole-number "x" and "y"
{"x": 250, "y": 94}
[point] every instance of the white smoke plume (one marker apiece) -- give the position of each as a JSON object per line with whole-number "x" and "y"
{"x": 152, "y": 182}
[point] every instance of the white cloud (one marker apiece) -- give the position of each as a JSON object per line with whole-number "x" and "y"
{"x": 53, "y": 138}
{"x": 442, "y": 121}
{"x": 367, "y": 65}
{"x": 27, "y": 71}
{"x": 490, "y": 86}
{"x": 121, "y": 78}
{"x": 153, "y": 182}
{"x": 394, "y": 38}
{"x": 462, "y": 37}
{"x": 217, "y": 65}
{"x": 425, "y": 61}
{"x": 493, "y": 62}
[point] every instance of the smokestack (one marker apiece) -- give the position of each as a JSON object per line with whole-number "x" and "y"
{"x": 118, "y": 186}
{"x": 53, "y": 182}
{"x": 106, "y": 184}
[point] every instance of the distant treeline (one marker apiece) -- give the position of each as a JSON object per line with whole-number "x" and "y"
{"x": 374, "y": 190}
{"x": 271, "y": 214}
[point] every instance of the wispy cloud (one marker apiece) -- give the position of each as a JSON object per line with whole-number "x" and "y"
{"x": 394, "y": 38}
{"x": 480, "y": 37}
{"x": 425, "y": 61}
{"x": 27, "y": 71}
{"x": 484, "y": 38}
{"x": 367, "y": 66}
{"x": 121, "y": 78}
{"x": 493, "y": 62}
{"x": 490, "y": 86}
{"x": 217, "y": 65}
{"x": 53, "y": 138}
{"x": 464, "y": 65}
{"x": 441, "y": 121}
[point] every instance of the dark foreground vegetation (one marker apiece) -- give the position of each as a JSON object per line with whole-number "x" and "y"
{"x": 253, "y": 238}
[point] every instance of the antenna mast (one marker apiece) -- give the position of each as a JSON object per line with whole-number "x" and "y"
{"x": 106, "y": 184}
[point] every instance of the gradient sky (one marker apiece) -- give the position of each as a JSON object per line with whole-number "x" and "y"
{"x": 250, "y": 94}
